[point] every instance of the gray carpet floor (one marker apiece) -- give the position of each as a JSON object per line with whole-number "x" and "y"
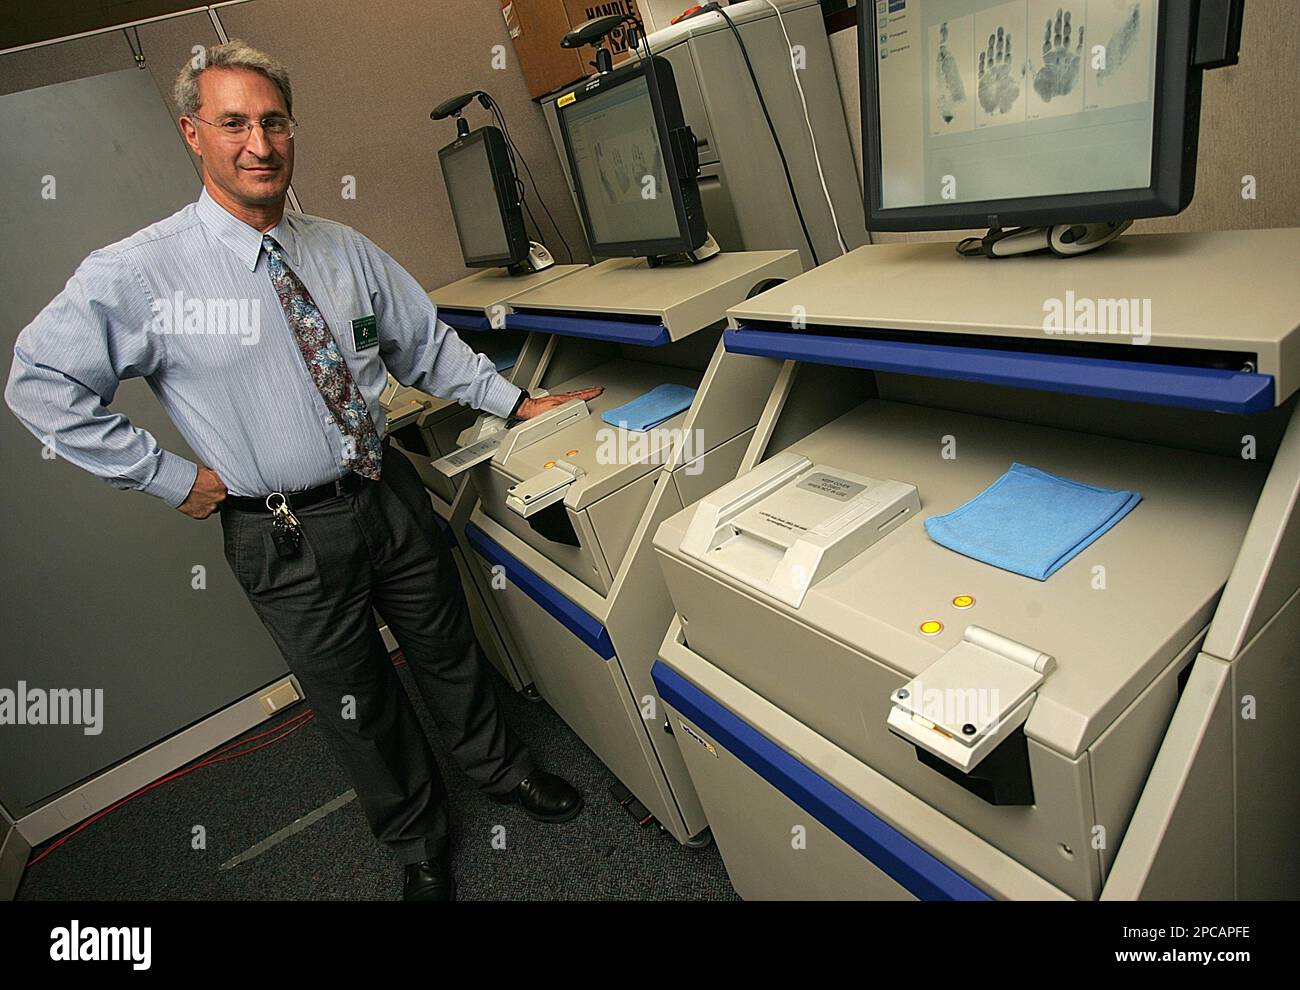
{"x": 146, "y": 850}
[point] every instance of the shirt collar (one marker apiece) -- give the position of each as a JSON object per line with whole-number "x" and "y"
{"x": 244, "y": 241}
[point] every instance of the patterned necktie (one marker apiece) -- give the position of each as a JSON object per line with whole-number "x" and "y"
{"x": 362, "y": 450}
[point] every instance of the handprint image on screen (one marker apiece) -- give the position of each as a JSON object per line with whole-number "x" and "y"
{"x": 1006, "y": 99}
{"x": 630, "y": 166}
{"x": 1056, "y": 68}
{"x": 620, "y": 166}
{"x": 1000, "y": 65}
{"x": 1121, "y": 63}
{"x": 952, "y": 106}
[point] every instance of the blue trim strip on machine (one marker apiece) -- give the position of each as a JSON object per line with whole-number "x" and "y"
{"x": 576, "y": 325}
{"x": 579, "y": 622}
{"x": 464, "y": 319}
{"x": 1209, "y": 389}
{"x": 884, "y": 846}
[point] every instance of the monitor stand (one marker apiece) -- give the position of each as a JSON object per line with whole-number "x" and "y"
{"x": 539, "y": 259}
{"x": 1064, "y": 239}
{"x": 702, "y": 253}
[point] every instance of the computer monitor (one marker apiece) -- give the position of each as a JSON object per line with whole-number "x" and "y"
{"x": 987, "y": 113}
{"x": 484, "y": 198}
{"x": 633, "y": 162}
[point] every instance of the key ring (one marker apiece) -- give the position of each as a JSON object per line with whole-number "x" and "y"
{"x": 276, "y": 508}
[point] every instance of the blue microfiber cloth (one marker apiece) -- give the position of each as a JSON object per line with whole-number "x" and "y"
{"x": 645, "y": 411}
{"x": 1031, "y": 522}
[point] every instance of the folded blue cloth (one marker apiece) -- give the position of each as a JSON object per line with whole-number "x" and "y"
{"x": 1031, "y": 522}
{"x": 645, "y": 411}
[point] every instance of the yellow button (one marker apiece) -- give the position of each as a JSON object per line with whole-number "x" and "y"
{"x": 963, "y": 601}
{"x": 569, "y": 453}
{"x": 931, "y": 627}
{"x": 549, "y": 464}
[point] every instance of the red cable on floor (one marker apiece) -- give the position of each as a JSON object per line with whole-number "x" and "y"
{"x": 301, "y": 719}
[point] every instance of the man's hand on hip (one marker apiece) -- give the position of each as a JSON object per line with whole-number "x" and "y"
{"x": 535, "y": 407}
{"x": 206, "y": 496}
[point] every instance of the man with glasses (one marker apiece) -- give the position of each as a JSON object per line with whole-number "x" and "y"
{"x": 321, "y": 521}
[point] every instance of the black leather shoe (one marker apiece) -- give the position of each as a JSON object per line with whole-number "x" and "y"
{"x": 546, "y": 797}
{"x": 429, "y": 880}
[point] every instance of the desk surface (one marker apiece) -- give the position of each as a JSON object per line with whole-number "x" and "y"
{"x": 685, "y": 297}
{"x": 1233, "y": 290}
{"x": 495, "y": 287}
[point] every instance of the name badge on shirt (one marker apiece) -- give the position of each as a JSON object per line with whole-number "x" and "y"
{"x": 365, "y": 333}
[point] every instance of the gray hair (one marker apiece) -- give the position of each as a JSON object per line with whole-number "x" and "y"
{"x": 234, "y": 54}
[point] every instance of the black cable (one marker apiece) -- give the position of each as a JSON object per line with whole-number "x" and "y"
{"x": 528, "y": 210}
{"x": 785, "y": 166}
{"x": 137, "y": 49}
{"x": 510, "y": 144}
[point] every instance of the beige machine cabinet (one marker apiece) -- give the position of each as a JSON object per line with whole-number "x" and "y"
{"x": 1113, "y": 741}
{"x": 476, "y": 308}
{"x": 567, "y": 503}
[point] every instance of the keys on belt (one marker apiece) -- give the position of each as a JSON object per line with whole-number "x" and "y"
{"x": 286, "y": 531}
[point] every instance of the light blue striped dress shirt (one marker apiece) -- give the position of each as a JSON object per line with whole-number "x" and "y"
{"x": 188, "y": 305}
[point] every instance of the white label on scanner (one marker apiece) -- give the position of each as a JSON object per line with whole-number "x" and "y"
{"x": 832, "y": 487}
{"x": 467, "y": 454}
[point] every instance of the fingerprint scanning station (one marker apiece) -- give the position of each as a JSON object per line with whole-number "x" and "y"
{"x": 486, "y": 199}
{"x": 568, "y": 500}
{"x": 1012, "y": 652}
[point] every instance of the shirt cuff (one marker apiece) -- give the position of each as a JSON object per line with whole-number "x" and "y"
{"x": 500, "y": 397}
{"x": 523, "y": 397}
{"x": 173, "y": 480}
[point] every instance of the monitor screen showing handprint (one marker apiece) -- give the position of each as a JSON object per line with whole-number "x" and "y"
{"x": 981, "y": 102}
{"x": 620, "y": 165}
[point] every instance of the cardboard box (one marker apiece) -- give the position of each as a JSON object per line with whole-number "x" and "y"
{"x": 536, "y": 27}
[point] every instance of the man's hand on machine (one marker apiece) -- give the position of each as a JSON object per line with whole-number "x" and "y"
{"x": 535, "y": 407}
{"x": 206, "y": 496}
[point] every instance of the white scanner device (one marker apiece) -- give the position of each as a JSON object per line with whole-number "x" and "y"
{"x": 789, "y": 523}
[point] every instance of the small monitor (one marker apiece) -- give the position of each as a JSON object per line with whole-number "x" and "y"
{"x": 978, "y": 113}
{"x": 633, "y": 162}
{"x": 484, "y": 198}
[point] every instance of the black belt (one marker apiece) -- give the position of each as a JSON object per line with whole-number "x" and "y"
{"x": 346, "y": 485}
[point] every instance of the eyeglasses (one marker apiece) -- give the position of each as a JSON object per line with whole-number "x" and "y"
{"x": 238, "y": 129}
